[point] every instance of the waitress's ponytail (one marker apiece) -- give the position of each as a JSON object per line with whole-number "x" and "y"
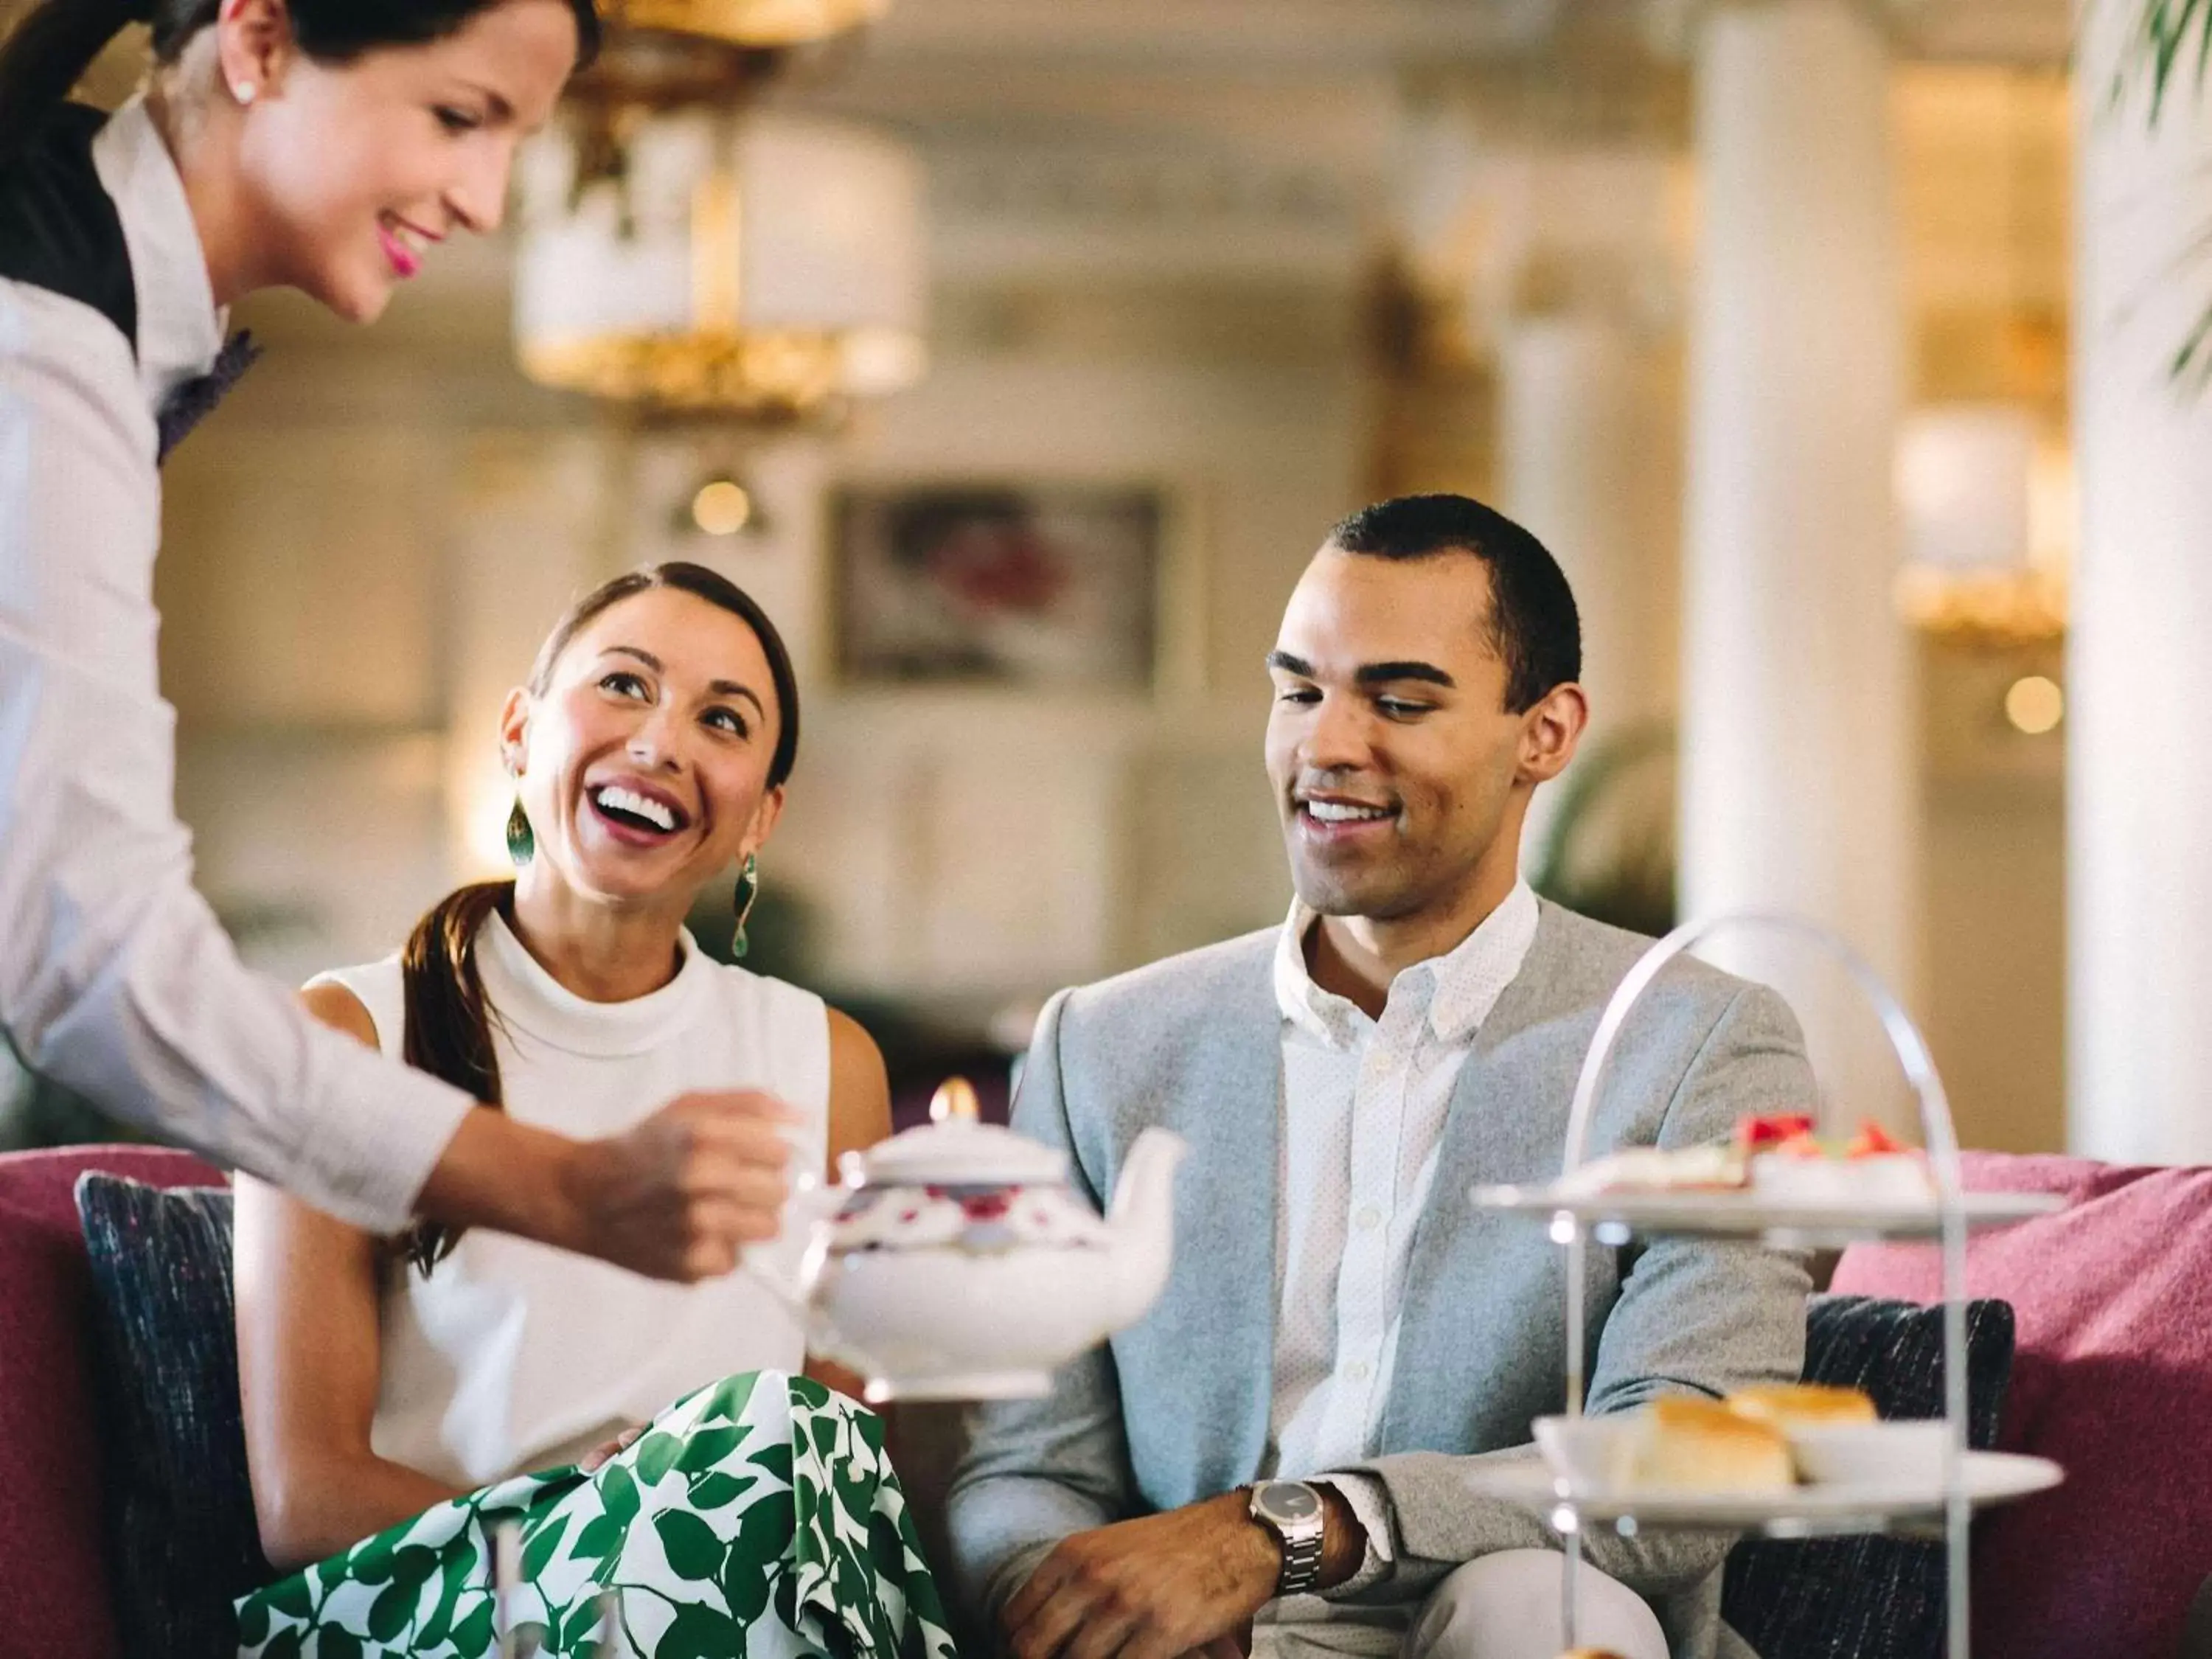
{"x": 48, "y": 53}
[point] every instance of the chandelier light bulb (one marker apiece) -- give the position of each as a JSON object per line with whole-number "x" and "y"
{"x": 2035, "y": 705}
{"x": 722, "y": 508}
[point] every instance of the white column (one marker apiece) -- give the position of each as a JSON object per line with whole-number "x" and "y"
{"x": 1576, "y": 427}
{"x": 1798, "y": 787}
{"x": 2139, "y": 764}
{"x": 1571, "y": 437}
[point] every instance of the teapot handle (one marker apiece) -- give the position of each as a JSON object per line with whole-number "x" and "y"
{"x": 812, "y": 1202}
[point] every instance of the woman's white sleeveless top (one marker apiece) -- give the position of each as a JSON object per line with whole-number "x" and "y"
{"x": 514, "y": 1355}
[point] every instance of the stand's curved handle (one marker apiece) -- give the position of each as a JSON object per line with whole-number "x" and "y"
{"x": 1905, "y": 1038}
{"x": 1942, "y": 1147}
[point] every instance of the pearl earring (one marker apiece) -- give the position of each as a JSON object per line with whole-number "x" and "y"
{"x": 244, "y": 92}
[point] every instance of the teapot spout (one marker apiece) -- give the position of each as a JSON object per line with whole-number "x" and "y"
{"x": 1141, "y": 1217}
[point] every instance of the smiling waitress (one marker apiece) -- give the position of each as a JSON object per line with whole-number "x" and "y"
{"x": 325, "y": 145}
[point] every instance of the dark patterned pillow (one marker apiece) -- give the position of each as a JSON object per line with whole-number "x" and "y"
{"x": 1870, "y": 1598}
{"x": 177, "y": 1504}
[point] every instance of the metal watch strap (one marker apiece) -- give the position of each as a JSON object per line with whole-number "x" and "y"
{"x": 1301, "y": 1542}
{"x": 1300, "y": 1563}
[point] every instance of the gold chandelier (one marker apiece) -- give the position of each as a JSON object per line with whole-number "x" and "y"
{"x": 1986, "y": 501}
{"x": 684, "y": 249}
{"x": 748, "y": 23}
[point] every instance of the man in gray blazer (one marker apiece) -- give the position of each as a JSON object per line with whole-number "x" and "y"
{"x": 1279, "y": 1456}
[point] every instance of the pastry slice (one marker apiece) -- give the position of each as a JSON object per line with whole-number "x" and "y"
{"x": 1681, "y": 1444}
{"x": 1787, "y": 1406}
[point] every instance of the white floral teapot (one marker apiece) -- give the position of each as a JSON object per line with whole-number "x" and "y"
{"x": 953, "y": 1261}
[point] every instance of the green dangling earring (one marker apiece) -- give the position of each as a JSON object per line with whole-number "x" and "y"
{"x": 748, "y": 890}
{"x": 520, "y": 843}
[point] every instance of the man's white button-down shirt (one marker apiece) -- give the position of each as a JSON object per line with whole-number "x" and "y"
{"x": 1364, "y": 1102}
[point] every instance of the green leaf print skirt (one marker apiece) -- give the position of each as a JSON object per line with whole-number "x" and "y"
{"x": 756, "y": 1518}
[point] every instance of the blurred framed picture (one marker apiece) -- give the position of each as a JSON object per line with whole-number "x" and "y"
{"x": 1022, "y": 585}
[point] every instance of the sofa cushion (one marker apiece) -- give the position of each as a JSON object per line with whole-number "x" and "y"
{"x": 179, "y": 1503}
{"x": 1869, "y": 1597}
{"x": 2113, "y": 1379}
{"x": 54, "y": 1589}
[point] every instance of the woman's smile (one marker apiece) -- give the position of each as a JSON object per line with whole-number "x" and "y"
{"x": 633, "y": 813}
{"x": 403, "y": 244}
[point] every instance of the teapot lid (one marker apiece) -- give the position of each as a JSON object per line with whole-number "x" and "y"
{"x": 957, "y": 1148}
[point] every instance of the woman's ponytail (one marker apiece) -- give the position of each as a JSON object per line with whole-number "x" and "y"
{"x": 448, "y": 1021}
{"x": 48, "y": 53}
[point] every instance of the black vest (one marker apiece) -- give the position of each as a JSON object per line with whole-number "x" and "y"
{"x": 59, "y": 230}
{"x": 58, "y": 227}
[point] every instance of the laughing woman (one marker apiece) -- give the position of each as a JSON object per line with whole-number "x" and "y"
{"x": 398, "y": 1395}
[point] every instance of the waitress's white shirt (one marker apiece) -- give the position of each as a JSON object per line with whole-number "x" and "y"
{"x": 511, "y": 1356}
{"x": 115, "y": 978}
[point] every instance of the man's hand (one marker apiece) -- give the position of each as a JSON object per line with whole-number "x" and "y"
{"x": 1182, "y": 1583}
{"x": 1152, "y": 1588}
{"x": 1165, "y": 1587}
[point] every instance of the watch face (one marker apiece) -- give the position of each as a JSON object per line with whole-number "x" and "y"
{"x": 1288, "y": 1500}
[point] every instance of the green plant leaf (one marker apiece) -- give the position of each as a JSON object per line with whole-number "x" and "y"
{"x": 576, "y": 1629}
{"x": 656, "y": 1456}
{"x": 454, "y": 1581}
{"x": 765, "y": 1530}
{"x": 745, "y": 1585}
{"x": 412, "y": 1564}
{"x": 473, "y": 1633}
{"x": 253, "y": 1623}
{"x": 333, "y": 1642}
{"x": 601, "y": 1539}
{"x": 694, "y": 1552}
{"x": 539, "y": 1553}
{"x": 370, "y": 1563}
{"x": 285, "y": 1645}
{"x": 699, "y": 1632}
{"x": 718, "y": 1489}
{"x": 731, "y": 1395}
{"x": 704, "y": 1448}
{"x": 292, "y": 1595}
{"x": 618, "y": 1493}
{"x": 389, "y": 1614}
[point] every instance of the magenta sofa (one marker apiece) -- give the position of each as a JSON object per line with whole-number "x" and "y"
{"x": 54, "y": 1600}
{"x": 2112, "y": 1378}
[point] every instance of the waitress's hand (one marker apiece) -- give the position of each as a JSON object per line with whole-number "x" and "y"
{"x": 680, "y": 1195}
{"x": 677, "y": 1197}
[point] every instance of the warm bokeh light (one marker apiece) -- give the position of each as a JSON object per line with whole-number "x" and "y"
{"x": 2035, "y": 705}
{"x": 722, "y": 508}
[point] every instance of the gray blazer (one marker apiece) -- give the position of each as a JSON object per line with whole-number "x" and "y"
{"x": 1176, "y": 1408}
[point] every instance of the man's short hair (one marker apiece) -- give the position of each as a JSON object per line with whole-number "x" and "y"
{"x": 1534, "y": 625}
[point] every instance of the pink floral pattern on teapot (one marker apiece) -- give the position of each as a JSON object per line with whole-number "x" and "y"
{"x": 974, "y": 1220}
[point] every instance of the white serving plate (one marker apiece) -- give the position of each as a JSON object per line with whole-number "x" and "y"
{"x": 1987, "y": 1477}
{"x": 1744, "y": 1215}
{"x": 1870, "y": 1453}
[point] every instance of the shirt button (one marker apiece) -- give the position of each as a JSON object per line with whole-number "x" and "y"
{"x": 1359, "y": 1371}
{"x": 1367, "y": 1217}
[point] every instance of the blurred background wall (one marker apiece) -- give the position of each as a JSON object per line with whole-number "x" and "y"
{"x": 1255, "y": 265}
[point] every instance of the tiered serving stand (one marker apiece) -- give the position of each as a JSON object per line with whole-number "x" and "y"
{"x": 1970, "y": 1480}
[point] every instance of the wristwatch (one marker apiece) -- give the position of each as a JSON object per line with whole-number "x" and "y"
{"x": 1292, "y": 1511}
